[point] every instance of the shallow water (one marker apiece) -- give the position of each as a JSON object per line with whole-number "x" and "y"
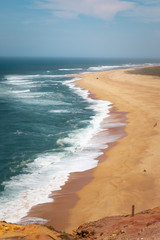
{"x": 47, "y": 127}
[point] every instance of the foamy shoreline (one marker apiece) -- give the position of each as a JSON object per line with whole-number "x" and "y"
{"x": 109, "y": 131}
{"x": 131, "y": 94}
{"x": 75, "y": 219}
{"x": 40, "y": 188}
{"x": 130, "y": 173}
{"x": 84, "y": 149}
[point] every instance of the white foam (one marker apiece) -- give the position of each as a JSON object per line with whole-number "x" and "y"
{"x": 101, "y": 68}
{"x": 59, "y": 111}
{"x": 131, "y": 65}
{"x": 22, "y": 91}
{"x": 101, "y": 109}
{"x": 26, "y": 79}
{"x": 70, "y": 69}
{"x": 19, "y": 83}
{"x": 18, "y": 132}
{"x": 21, "y": 77}
{"x": 54, "y": 76}
{"x": 40, "y": 98}
{"x": 71, "y": 81}
{"x": 49, "y": 171}
{"x": 41, "y": 101}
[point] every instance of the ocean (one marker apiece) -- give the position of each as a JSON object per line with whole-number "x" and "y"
{"x": 48, "y": 127}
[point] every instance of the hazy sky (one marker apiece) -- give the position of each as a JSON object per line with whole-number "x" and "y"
{"x": 80, "y": 28}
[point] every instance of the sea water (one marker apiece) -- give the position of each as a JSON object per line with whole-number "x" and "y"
{"x": 48, "y": 127}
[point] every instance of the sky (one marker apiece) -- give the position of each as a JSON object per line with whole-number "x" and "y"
{"x": 80, "y": 28}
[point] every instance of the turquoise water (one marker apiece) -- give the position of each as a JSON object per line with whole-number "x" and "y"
{"x": 47, "y": 127}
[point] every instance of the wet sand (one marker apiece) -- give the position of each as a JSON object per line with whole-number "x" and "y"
{"x": 57, "y": 212}
{"x": 130, "y": 173}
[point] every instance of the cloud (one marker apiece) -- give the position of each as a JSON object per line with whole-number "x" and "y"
{"x": 104, "y": 9}
{"x": 138, "y": 10}
{"x": 146, "y": 13}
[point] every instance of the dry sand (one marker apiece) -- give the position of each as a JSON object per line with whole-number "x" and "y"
{"x": 130, "y": 174}
{"x": 57, "y": 212}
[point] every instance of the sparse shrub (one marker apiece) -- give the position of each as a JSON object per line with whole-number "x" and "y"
{"x": 148, "y": 224}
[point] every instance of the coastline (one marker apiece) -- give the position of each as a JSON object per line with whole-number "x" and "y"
{"x": 130, "y": 173}
{"x": 57, "y": 212}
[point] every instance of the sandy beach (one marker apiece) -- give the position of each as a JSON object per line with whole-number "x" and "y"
{"x": 130, "y": 172}
{"x": 127, "y": 173}
{"x": 57, "y": 212}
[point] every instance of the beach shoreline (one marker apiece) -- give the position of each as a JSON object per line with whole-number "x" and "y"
{"x": 57, "y": 212}
{"x": 129, "y": 171}
{"x": 129, "y": 175}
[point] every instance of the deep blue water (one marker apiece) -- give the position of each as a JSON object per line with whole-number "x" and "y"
{"x": 47, "y": 126}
